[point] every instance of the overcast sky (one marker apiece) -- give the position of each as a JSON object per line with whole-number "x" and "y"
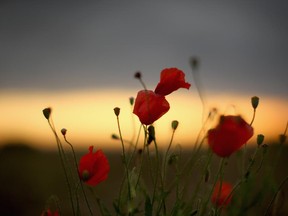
{"x": 51, "y": 45}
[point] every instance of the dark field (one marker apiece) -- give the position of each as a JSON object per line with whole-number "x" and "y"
{"x": 29, "y": 177}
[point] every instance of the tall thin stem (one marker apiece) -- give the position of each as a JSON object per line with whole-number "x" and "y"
{"x": 124, "y": 159}
{"x": 62, "y": 159}
{"x": 220, "y": 172}
{"x": 76, "y": 167}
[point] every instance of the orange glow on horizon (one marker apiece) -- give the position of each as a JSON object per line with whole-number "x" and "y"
{"x": 89, "y": 118}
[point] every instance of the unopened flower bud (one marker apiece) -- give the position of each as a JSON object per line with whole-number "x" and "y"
{"x": 63, "y": 131}
{"x": 117, "y": 111}
{"x": 138, "y": 75}
{"x": 131, "y": 100}
{"x": 255, "y": 102}
{"x": 115, "y": 136}
{"x": 174, "y": 124}
{"x": 85, "y": 175}
{"x": 260, "y": 139}
{"x": 47, "y": 112}
{"x": 151, "y": 133}
{"x": 194, "y": 63}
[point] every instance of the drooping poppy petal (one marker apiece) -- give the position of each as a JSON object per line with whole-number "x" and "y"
{"x": 150, "y": 106}
{"x": 229, "y": 135}
{"x": 171, "y": 79}
{"x": 93, "y": 168}
{"x": 221, "y": 196}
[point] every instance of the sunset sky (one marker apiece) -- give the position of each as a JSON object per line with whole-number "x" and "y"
{"x": 80, "y": 58}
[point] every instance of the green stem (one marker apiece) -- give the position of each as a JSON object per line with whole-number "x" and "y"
{"x": 76, "y": 166}
{"x": 102, "y": 209}
{"x": 158, "y": 172}
{"x": 275, "y": 195}
{"x": 253, "y": 117}
{"x": 142, "y": 156}
{"x": 124, "y": 160}
{"x": 195, "y": 193}
{"x": 220, "y": 172}
{"x": 166, "y": 155}
{"x": 62, "y": 159}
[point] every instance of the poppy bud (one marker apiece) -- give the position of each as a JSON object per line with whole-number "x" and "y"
{"x": 138, "y": 75}
{"x": 47, "y": 112}
{"x": 174, "y": 124}
{"x": 131, "y": 100}
{"x": 115, "y": 136}
{"x": 117, "y": 111}
{"x": 85, "y": 175}
{"x": 194, "y": 63}
{"x": 260, "y": 139}
{"x": 63, "y": 131}
{"x": 255, "y": 102}
{"x": 151, "y": 132}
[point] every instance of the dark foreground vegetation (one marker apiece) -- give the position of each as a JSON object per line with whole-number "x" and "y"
{"x": 29, "y": 177}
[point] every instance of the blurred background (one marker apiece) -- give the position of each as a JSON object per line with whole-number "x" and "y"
{"x": 80, "y": 58}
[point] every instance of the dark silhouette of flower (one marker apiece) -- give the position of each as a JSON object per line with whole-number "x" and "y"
{"x": 93, "y": 168}
{"x": 229, "y": 135}
{"x": 171, "y": 79}
{"x": 49, "y": 213}
{"x": 150, "y": 106}
{"x": 221, "y": 196}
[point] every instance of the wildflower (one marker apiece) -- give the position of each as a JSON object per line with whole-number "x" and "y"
{"x": 93, "y": 167}
{"x": 229, "y": 135}
{"x": 49, "y": 213}
{"x": 171, "y": 79}
{"x": 221, "y": 196}
{"x": 150, "y": 106}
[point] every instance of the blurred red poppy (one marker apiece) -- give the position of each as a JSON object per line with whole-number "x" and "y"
{"x": 93, "y": 168}
{"x": 221, "y": 196}
{"x": 49, "y": 213}
{"x": 229, "y": 135}
{"x": 150, "y": 106}
{"x": 171, "y": 79}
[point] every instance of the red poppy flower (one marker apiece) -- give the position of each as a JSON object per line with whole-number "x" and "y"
{"x": 93, "y": 168}
{"x": 171, "y": 79}
{"x": 150, "y": 106}
{"x": 220, "y": 196}
{"x": 49, "y": 213}
{"x": 229, "y": 135}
